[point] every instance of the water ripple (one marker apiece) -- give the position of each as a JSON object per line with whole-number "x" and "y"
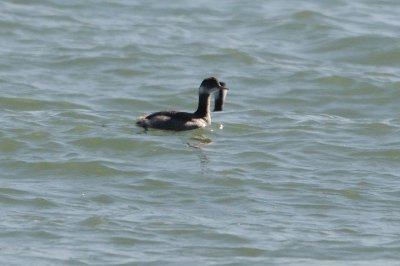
{"x": 302, "y": 163}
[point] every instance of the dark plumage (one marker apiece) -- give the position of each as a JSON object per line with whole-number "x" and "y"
{"x": 173, "y": 120}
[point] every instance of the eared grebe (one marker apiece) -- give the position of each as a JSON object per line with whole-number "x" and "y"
{"x": 219, "y": 98}
{"x": 172, "y": 120}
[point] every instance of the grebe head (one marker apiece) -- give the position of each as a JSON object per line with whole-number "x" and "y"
{"x": 210, "y": 85}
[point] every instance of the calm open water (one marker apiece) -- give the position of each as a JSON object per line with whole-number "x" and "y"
{"x": 302, "y": 167}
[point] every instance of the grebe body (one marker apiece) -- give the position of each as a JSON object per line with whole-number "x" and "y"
{"x": 178, "y": 121}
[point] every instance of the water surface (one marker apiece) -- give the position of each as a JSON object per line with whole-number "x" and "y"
{"x": 302, "y": 167}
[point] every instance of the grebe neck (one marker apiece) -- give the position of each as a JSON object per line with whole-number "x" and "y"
{"x": 203, "y": 109}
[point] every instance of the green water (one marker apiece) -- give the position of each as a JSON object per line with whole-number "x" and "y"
{"x": 301, "y": 168}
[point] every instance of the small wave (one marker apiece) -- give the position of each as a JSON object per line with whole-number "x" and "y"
{"x": 94, "y": 221}
{"x": 379, "y": 154}
{"x": 29, "y": 104}
{"x": 365, "y": 49}
{"x": 306, "y": 15}
{"x": 95, "y": 143}
{"x": 10, "y": 145}
{"x": 26, "y": 200}
{"x": 318, "y": 118}
{"x": 70, "y": 168}
{"x": 232, "y": 54}
{"x": 390, "y": 57}
{"x": 130, "y": 241}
